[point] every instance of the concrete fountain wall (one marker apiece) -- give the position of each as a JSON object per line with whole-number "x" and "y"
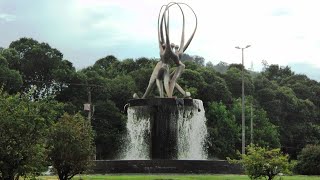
{"x": 161, "y": 116}
{"x": 166, "y": 128}
{"x": 163, "y": 113}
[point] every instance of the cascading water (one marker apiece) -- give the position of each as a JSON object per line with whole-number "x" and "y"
{"x": 191, "y": 131}
{"x": 138, "y": 133}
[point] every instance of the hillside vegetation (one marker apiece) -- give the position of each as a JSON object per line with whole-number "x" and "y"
{"x": 285, "y": 105}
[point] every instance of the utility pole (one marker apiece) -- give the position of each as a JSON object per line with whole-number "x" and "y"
{"x": 90, "y": 105}
{"x": 90, "y": 110}
{"x": 243, "y": 139}
{"x": 251, "y": 124}
{"x": 251, "y": 113}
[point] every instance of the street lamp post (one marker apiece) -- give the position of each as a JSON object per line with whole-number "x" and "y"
{"x": 242, "y": 103}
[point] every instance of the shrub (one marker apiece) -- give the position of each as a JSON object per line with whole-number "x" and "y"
{"x": 71, "y": 146}
{"x": 23, "y": 129}
{"x": 260, "y": 162}
{"x": 309, "y": 160}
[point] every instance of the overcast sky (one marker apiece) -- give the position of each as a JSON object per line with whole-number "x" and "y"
{"x": 285, "y": 32}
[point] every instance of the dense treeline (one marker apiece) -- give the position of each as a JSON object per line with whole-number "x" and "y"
{"x": 285, "y": 106}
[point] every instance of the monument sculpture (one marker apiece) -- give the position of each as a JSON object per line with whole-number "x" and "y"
{"x": 165, "y": 127}
{"x": 169, "y": 52}
{"x": 166, "y": 134}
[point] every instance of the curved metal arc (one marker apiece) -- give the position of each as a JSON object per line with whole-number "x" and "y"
{"x": 160, "y": 30}
{"x": 183, "y": 24}
{"x": 166, "y": 27}
{"x": 183, "y": 46}
{"x": 167, "y": 24}
{"x": 160, "y": 24}
{"x": 194, "y": 31}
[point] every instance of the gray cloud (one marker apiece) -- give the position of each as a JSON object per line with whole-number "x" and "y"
{"x": 281, "y": 12}
{"x": 308, "y": 69}
{"x": 7, "y": 17}
{"x": 85, "y": 31}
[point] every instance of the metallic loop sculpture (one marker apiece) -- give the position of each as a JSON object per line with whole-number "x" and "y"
{"x": 169, "y": 52}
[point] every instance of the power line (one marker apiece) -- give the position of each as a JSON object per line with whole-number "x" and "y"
{"x": 50, "y": 82}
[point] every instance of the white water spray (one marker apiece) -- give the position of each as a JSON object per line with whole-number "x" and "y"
{"x": 192, "y": 132}
{"x": 138, "y": 133}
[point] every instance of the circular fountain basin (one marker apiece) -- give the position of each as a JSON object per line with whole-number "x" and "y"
{"x": 166, "y": 166}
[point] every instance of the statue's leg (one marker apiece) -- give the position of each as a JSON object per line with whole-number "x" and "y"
{"x": 160, "y": 87}
{"x": 153, "y": 78}
{"x": 176, "y": 75}
{"x": 166, "y": 80}
{"x": 179, "y": 88}
{"x": 185, "y": 93}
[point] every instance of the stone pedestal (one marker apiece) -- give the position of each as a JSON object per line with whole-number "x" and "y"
{"x": 163, "y": 113}
{"x": 164, "y": 132}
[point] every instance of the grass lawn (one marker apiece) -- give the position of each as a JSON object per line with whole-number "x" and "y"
{"x": 174, "y": 177}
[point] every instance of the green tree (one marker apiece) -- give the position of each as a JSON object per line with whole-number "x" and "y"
{"x": 126, "y": 66}
{"x": 199, "y": 60}
{"x": 261, "y": 82}
{"x": 214, "y": 88}
{"x": 74, "y": 95}
{"x": 309, "y": 160}
{"x": 291, "y": 104}
{"x": 70, "y": 146}
{"x": 186, "y": 58}
{"x": 260, "y": 162}
{"x": 315, "y": 98}
{"x": 223, "y": 131}
{"x": 194, "y": 59}
{"x": 191, "y": 65}
{"x": 303, "y": 87}
{"x": 297, "y": 121}
{"x": 146, "y": 63}
{"x": 109, "y": 95}
{"x": 265, "y": 133}
{"x": 12, "y": 56}
{"x": 141, "y": 75}
{"x": 192, "y": 81}
{"x": 266, "y": 96}
{"x": 10, "y": 79}
{"x": 107, "y": 67}
{"x": 276, "y": 73}
{"x": 39, "y": 65}
{"x": 237, "y": 66}
{"x": 270, "y": 103}
{"x": 141, "y": 79}
{"x": 109, "y": 125}
{"x": 23, "y": 128}
{"x": 233, "y": 78}
{"x": 121, "y": 89}
{"x": 221, "y": 67}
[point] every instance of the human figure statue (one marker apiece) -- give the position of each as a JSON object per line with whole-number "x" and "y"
{"x": 169, "y": 52}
